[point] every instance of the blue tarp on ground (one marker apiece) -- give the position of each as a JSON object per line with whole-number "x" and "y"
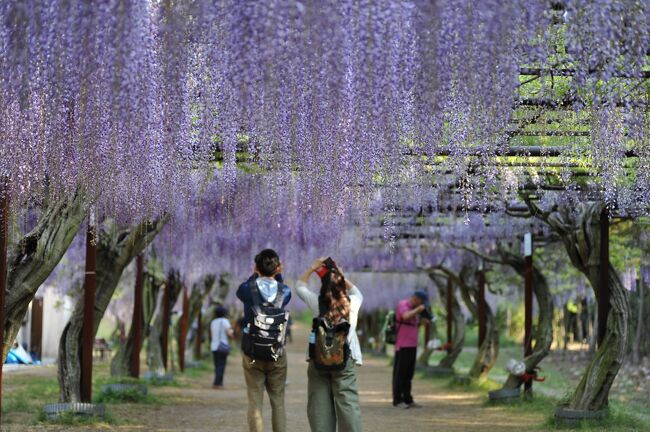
{"x": 18, "y": 355}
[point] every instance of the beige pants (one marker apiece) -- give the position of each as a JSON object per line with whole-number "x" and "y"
{"x": 271, "y": 376}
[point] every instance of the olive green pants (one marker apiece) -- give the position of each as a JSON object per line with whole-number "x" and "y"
{"x": 333, "y": 399}
{"x": 271, "y": 376}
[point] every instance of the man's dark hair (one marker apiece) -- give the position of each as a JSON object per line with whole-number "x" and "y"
{"x": 267, "y": 262}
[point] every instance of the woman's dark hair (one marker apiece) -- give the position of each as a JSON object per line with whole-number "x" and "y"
{"x": 267, "y": 262}
{"x": 333, "y": 301}
{"x": 220, "y": 312}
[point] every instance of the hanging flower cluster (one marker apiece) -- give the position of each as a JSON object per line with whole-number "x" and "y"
{"x": 120, "y": 99}
{"x": 95, "y": 100}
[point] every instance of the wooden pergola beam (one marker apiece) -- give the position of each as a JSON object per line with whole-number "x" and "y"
{"x": 569, "y": 72}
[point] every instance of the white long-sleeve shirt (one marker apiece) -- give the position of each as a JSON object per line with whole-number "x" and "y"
{"x": 356, "y": 298}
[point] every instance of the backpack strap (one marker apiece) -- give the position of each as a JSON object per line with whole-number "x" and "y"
{"x": 258, "y": 301}
{"x": 321, "y": 309}
{"x": 279, "y": 297}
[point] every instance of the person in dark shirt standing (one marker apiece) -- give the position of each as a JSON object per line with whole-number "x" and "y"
{"x": 264, "y": 374}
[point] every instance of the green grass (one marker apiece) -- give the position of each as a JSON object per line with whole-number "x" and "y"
{"x": 28, "y": 395}
{"x": 163, "y": 383}
{"x": 618, "y": 419}
{"x": 128, "y": 396}
{"x": 304, "y": 317}
{"x": 71, "y": 419}
{"x": 198, "y": 371}
{"x": 107, "y": 379}
{"x": 15, "y": 403}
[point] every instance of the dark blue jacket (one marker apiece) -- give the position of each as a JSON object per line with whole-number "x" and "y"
{"x": 244, "y": 294}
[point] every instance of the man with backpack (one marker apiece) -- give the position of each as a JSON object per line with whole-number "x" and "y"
{"x": 263, "y": 339}
{"x": 409, "y": 314}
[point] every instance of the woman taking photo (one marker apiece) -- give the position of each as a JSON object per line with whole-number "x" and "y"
{"x": 334, "y": 350}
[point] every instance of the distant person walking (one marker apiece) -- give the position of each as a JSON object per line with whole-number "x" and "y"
{"x": 409, "y": 314}
{"x": 220, "y": 333}
{"x": 334, "y": 350}
{"x": 263, "y": 339}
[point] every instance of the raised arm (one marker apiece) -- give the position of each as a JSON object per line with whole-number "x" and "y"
{"x": 303, "y": 291}
{"x": 312, "y": 268}
{"x": 413, "y": 312}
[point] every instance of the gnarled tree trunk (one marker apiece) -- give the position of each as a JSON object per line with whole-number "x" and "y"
{"x": 121, "y": 363}
{"x": 31, "y": 259}
{"x": 200, "y": 291}
{"x": 543, "y": 335}
{"x": 487, "y": 353}
{"x": 423, "y": 359}
{"x": 458, "y": 335}
{"x": 579, "y": 229}
{"x": 155, "y": 360}
{"x": 115, "y": 250}
{"x": 544, "y": 331}
{"x": 379, "y": 316}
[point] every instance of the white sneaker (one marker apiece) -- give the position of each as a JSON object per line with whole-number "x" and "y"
{"x": 400, "y": 405}
{"x": 412, "y": 405}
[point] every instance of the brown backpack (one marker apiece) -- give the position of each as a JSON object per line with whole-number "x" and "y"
{"x": 328, "y": 346}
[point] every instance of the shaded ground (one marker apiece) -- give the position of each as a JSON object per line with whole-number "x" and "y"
{"x": 632, "y": 384}
{"x": 192, "y": 405}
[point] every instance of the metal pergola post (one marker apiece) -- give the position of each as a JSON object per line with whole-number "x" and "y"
{"x": 528, "y": 303}
{"x": 450, "y": 312}
{"x": 199, "y": 335}
{"x": 137, "y": 317}
{"x": 481, "y": 307}
{"x": 36, "y": 331}
{"x": 88, "y": 333}
{"x": 183, "y": 336}
{"x": 164, "y": 336}
{"x": 603, "y": 282}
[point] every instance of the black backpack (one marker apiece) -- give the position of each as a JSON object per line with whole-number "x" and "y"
{"x": 268, "y": 328}
{"x": 328, "y": 345}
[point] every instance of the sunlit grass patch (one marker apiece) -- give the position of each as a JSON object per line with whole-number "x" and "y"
{"x": 128, "y": 396}
{"x": 71, "y": 419}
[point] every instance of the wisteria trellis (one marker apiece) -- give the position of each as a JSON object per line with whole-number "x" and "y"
{"x": 122, "y": 98}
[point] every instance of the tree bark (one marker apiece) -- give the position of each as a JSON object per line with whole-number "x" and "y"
{"x": 543, "y": 335}
{"x": 423, "y": 359}
{"x": 200, "y": 291}
{"x": 121, "y": 363}
{"x": 155, "y": 360}
{"x": 33, "y": 258}
{"x": 579, "y": 229}
{"x": 458, "y": 338}
{"x": 488, "y": 352}
{"x": 115, "y": 250}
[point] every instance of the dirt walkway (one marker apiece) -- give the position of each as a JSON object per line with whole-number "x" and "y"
{"x": 194, "y": 406}
{"x": 443, "y": 410}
